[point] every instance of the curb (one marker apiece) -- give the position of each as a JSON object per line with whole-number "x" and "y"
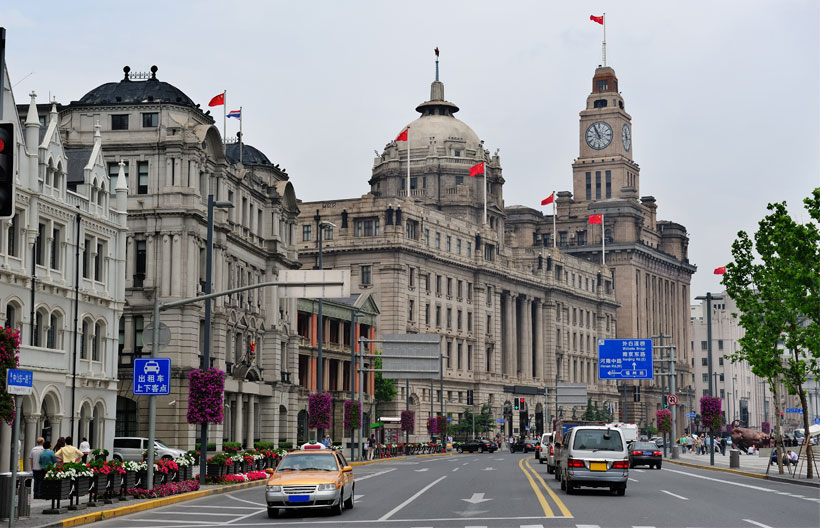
{"x": 714, "y": 468}
{"x": 376, "y": 461}
{"x": 147, "y": 505}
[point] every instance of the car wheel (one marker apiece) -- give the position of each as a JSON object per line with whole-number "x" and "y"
{"x": 273, "y": 513}
{"x": 622, "y": 491}
{"x": 480, "y": 449}
{"x": 658, "y": 465}
{"x": 549, "y": 469}
{"x": 563, "y": 484}
{"x": 557, "y": 473}
{"x": 460, "y": 450}
{"x": 118, "y": 458}
{"x": 349, "y": 502}
{"x": 540, "y": 460}
{"x": 570, "y": 488}
{"x": 337, "y": 509}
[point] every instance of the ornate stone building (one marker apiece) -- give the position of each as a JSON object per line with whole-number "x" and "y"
{"x": 513, "y": 317}
{"x": 62, "y": 264}
{"x": 174, "y": 157}
{"x": 646, "y": 257}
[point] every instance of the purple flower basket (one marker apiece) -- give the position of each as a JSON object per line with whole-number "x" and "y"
{"x": 319, "y": 410}
{"x": 408, "y": 421}
{"x": 205, "y": 396}
{"x": 353, "y": 414}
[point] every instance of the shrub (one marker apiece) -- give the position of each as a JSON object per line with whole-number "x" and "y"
{"x": 263, "y": 445}
{"x": 231, "y": 447}
{"x": 285, "y": 445}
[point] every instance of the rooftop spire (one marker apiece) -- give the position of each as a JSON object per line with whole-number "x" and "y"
{"x": 32, "y": 118}
{"x": 436, "y": 63}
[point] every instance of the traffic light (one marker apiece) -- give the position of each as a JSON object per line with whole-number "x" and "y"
{"x": 469, "y": 397}
{"x": 6, "y": 170}
{"x": 637, "y": 397}
{"x": 521, "y": 404}
{"x": 515, "y": 404}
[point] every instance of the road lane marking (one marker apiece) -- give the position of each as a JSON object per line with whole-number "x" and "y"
{"x": 194, "y": 523}
{"x": 364, "y": 477}
{"x": 638, "y": 470}
{"x": 455, "y": 469}
{"x": 411, "y": 499}
{"x": 673, "y": 494}
{"x": 757, "y": 523}
{"x": 464, "y": 464}
{"x": 559, "y": 502}
{"x": 366, "y": 522}
{"x": 357, "y": 498}
{"x": 633, "y": 480}
{"x": 219, "y": 506}
{"x": 246, "y": 516}
{"x": 421, "y": 470}
{"x": 257, "y": 504}
{"x": 544, "y": 504}
{"x": 742, "y": 485}
{"x": 531, "y": 526}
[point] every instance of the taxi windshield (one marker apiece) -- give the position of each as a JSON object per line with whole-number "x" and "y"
{"x": 311, "y": 462}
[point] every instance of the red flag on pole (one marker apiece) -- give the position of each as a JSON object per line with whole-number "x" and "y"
{"x": 595, "y": 219}
{"x": 548, "y": 200}
{"x": 599, "y": 19}
{"x": 720, "y": 271}
{"x": 475, "y": 170}
{"x": 217, "y": 100}
{"x": 436, "y": 51}
{"x": 402, "y": 136}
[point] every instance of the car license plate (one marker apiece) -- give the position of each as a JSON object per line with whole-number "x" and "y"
{"x": 647, "y": 452}
{"x": 597, "y": 466}
{"x": 299, "y": 498}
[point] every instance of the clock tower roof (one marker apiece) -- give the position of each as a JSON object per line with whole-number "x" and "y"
{"x": 604, "y": 80}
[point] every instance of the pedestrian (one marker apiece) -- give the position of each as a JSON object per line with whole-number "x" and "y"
{"x": 85, "y": 449}
{"x": 36, "y": 469}
{"x": 69, "y": 453}
{"x": 365, "y": 445}
{"x": 59, "y": 445}
{"x": 47, "y": 457}
{"x": 371, "y": 447}
{"x": 690, "y": 443}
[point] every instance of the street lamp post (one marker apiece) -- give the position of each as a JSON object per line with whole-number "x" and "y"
{"x": 734, "y": 399}
{"x": 321, "y": 324}
{"x": 708, "y": 298}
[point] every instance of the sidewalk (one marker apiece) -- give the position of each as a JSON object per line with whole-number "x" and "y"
{"x": 750, "y": 465}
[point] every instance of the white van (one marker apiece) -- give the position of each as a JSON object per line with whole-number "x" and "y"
{"x": 594, "y": 456}
{"x": 132, "y": 447}
{"x": 628, "y": 431}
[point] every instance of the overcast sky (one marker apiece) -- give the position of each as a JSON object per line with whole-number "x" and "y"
{"x": 723, "y": 95}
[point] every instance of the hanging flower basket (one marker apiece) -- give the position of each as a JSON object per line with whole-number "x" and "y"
{"x": 319, "y": 410}
{"x": 664, "y": 418}
{"x": 432, "y": 426}
{"x": 408, "y": 421}
{"x": 353, "y": 414}
{"x": 710, "y": 412}
{"x": 441, "y": 425}
{"x": 9, "y": 352}
{"x": 205, "y": 396}
{"x": 766, "y": 427}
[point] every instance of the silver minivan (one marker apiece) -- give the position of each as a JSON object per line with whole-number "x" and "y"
{"x": 132, "y": 447}
{"x": 594, "y": 456}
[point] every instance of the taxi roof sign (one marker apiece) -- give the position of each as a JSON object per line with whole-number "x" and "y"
{"x": 312, "y": 445}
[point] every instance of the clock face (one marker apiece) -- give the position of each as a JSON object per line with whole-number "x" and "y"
{"x": 626, "y": 137}
{"x": 599, "y": 135}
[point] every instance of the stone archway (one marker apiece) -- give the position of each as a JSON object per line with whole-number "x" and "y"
{"x": 51, "y": 417}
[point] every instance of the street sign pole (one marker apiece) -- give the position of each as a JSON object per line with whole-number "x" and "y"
{"x": 152, "y": 400}
{"x": 15, "y": 455}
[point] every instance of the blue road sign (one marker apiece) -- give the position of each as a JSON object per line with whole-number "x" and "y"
{"x": 817, "y": 421}
{"x": 691, "y": 415}
{"x": 152, "y": 376}
{"x": 794, "y": 410}
{"x": 500, "y": 420}
{"x": 19, "y": 381}
{"x": 625, "y": 359}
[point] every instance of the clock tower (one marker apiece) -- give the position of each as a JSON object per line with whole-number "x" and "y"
{"x": 604, "y": 169}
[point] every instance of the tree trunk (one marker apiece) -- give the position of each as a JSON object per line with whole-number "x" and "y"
{"x": 806, "y": 439}
{"x": 778, "y": 438}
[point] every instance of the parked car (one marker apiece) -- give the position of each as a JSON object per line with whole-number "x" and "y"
{"x": 544, "y": 450}
{"x": 594, "y": 456}
{"x": 523, "y": 445}
{"x": 658, "y": 441}
{"x": 645, "y": 454}
{"x": 313, "y": 477}
{"x": 477, "y": 444}
{"x": 132, "y": 448}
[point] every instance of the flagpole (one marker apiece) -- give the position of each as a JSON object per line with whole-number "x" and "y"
{"x": 485, "y": 193}
{"x": 603, "y": 241}
{"x": 604, "y": 46}
{"x": 554, "y": 232}
{"x": 240, "y": 135}
{"x": 408, "y": 163}
{"x": 225, "y": 116}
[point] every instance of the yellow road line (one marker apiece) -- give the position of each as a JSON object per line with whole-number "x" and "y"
{"x": 558, "y": 501}
{"x": 538, "y": 494}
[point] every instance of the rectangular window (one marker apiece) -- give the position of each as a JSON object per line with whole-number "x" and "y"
{"x": 367, "y": 227}
{"x": 449, "y": 317}
{"x": 469, "y": 291}
{"x": 449, "y": 357}
{"x": 720, "y": 361}
{"x": 438, "y": 240}
{"x": 589, "y": 186}
{"x": 427, "y": 314}
{"x": 142, "y": 177}
{"x": 597, "y": 185}
{"x": 489, "y": 295}
{"x": 469, "y": 321}
{"x": 609, "y": 184}
{"x": 458, "y": 320}
{"x": 39, "y": 250}
{"x": 113, "y": 174}
{"x": 11, "y": 236}
{"x": 459, "y": 290}
{"x": 150, "y": 120}
{"x": 562, "y": 238}
{"x": 703, "y": 345}
{"x": 438, "y": 284}
{"x": 56, "y": 244}
{"x": 705, "y": 378}
{"x": 438, "y": 316}
{"x": 412, "y": 277}
{"x": 722, "y": 393}
{"x": 119, "y": 122}
{"x": 411, "y": 229}
{"x": 366, "y": 277}
{"x": 458, "y": 356}
{"x": 720, "y": 344}
{"x": 704, "y": 362}
{"x": 426, "y": 237}
{"x": 458, "y": 246}
{"x": 459, "y": 179}
{"x": 140, "y": 263}
{"x": 469, "y": 357}
{"x": 410, "y": 310}
{"x": 86, "y": 261}
{"x": 138, "y": 327}
{"x": 469, "y": 249}
{"x": 98, "y": 263}
{"x": 449, "y": 287}
{"x": 448, "y": 246}
{"x": 306, "y": 232}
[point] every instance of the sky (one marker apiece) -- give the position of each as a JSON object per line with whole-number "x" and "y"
{"x": 724, "y": 96}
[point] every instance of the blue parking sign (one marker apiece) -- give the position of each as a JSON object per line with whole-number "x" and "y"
{"x": 152, "y": 376}
{"x": 625, "y": 359}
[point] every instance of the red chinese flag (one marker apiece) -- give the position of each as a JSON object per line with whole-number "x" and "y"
{"x": 549, "y": 199}
{"x": 720, "y": 271}
{"x": 599, "y": 19}
{"x": 217, "y": 100}
{"x": 475, "y": 170}
{"x": 402, "y": 136}
{"x": 596, "y": 219}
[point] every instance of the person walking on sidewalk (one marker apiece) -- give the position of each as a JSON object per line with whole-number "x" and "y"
{"x": 36, "y": 469}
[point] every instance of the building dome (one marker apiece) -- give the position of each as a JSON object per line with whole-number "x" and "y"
{"x": 129, "y": 91}
{"x": 437, "y": 121}
{"x": 250, "y": 155}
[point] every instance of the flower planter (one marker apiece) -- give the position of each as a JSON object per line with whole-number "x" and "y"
{"x": 216, "y": 470}
{"x": 246, "y": 466}
{"x": 82, "y": 485}
{"x": 127, "y": 480}
{"x": 186, "y": 473}
{"x": 260, "y": 464}
{"x": 55, "y": 489}
{"x": 100, "y": 482}
{"x": 141, "y": 481}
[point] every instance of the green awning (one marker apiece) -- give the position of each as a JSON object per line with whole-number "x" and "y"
{"x": 377, "y": 424}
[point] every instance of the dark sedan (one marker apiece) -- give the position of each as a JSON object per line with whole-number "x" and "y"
{"x": 645, "y": 454}
{"x": 523, "y": 446}
{"x": 477, "y": 444}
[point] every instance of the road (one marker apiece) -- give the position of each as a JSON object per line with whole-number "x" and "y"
{"x": 503, "y": 490}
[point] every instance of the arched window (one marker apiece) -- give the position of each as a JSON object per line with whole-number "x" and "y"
{"x": 84, "y": 340}
{"x": 39, "y": 328}
{"x": 11, "y": 316}
{"x": 96, "y": 342}
{"x": 51, "y": 336}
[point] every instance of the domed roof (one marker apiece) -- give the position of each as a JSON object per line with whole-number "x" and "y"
{"x": 250, "y": 155}
{"x": 437, "y": 121}
{"x": 128, "y": 91}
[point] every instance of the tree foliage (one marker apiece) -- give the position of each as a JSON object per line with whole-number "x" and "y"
{"x": 385, "y": 388}
{"x": 775, "y": 281}
{"x": 484, "y": 422}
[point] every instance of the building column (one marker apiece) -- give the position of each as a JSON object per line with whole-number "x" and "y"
{"x": 504, "y": 337}
{"x": 165, "y": 255}
{"x": 539, "y": 340}
{"x": 238, "y": 411}
{"x": 176, "y": 271}
{"x": 5, "y": 447}
{"x": 251, "y": 420}
{"x": 521, "y": 329}
{"x": 29, "y": 439}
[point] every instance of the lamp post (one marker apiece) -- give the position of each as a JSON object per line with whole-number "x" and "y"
{"x": 354, "y": 314}
{"x": 708, "y": 298}
{"x": 321, "y": 323}
{"x": 206, "y": 352}
{"x": 734, "y": 399}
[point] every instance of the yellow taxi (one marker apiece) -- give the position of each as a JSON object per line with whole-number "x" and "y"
{"x": 312, "y": 477}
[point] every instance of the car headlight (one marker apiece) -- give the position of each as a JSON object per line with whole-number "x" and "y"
{"x": 326, "y": 487}
{"x": 273, "y": 488}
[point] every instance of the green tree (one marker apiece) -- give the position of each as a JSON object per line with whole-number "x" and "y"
{"x": 385, "y": 389}
{"x": 592, "y": 413}
{"x": 483, "y": 423}
{"x": 775, "y": 281}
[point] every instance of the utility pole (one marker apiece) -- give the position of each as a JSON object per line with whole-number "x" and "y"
{"x": 670, "y": 372}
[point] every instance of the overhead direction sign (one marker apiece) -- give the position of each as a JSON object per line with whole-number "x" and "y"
{"x": 572, "y": 394}
{"x": 411, "y": 356}
{"x": 152, "y": 376}
{"x": 19, "y": 382}
{"x": 625, "y": 359}
{"x": 300, "y": 277}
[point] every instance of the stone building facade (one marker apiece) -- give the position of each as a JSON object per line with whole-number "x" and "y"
{"x": 62, "y": 263}
{"x": 513, "y": 318}
{"x": 174, "y": 157}
{"x": 647, "y": 258}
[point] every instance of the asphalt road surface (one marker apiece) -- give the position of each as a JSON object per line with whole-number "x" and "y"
{"x": 513, "y": 491}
